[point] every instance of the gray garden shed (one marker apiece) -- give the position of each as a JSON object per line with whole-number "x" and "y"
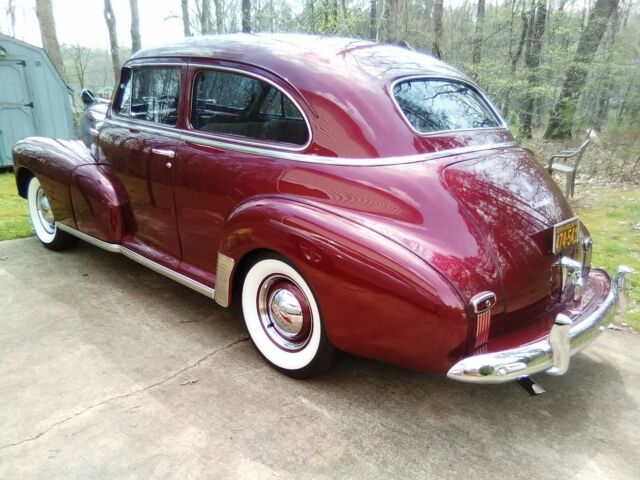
{"x": 34, "y": 100}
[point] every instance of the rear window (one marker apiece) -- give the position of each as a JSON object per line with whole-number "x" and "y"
{"x": 239, "y": 105}
{"x": 439, "y": 105}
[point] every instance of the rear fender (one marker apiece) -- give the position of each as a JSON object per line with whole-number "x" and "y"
{"x": 378, "y": 300}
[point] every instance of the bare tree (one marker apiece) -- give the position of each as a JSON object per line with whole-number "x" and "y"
{"x": 562, "y": 113}
{"x": 373, "y": 20}
{"x": 532, "y": 60}
{"x": 246, "y": 16}
{"x": 437, "y": 28}
{"x": 110, "y": 19}
{"x": 185, "y": 18}
{"x": 80, "y": 56}
{"x": 219, "y": 16}
{"x": 44, "y": 12}
{"x": 11, "y": 13}
{"x": 396, "y": 16}
{"x": 205, "y": 17}
{"x": 136, "y": 44}
{"x": 477, "y": 41}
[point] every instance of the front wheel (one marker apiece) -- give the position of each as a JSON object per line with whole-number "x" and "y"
{"x": 43, "y": 221}
{"x": 283, "y": 319}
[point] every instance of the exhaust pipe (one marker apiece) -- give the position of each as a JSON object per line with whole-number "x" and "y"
{"x": 531, "y": 387}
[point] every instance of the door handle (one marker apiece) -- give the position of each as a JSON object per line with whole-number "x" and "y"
{"x": 164, "y": 153}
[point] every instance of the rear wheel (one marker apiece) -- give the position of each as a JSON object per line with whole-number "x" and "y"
{"x": 283, "y": 319}
{"x": 43, "y": 221}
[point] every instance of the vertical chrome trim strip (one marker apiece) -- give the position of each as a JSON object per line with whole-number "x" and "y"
{"x": 136, "y": 257}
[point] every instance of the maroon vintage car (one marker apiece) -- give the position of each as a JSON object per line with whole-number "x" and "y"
{"x": 346, "y": 195}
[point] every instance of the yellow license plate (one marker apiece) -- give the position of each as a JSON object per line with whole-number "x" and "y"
{"x": 565, "y": 234}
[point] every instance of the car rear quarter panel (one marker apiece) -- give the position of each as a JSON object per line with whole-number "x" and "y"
{"x": 377, "y": 299}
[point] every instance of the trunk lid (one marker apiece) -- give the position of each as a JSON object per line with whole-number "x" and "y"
{"x": 514, "y": 204}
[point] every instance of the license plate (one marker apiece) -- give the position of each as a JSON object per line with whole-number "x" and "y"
{"x": 565, "y": 234}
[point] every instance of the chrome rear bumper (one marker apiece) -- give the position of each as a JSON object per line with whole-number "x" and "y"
{"x": 551, "y": 354}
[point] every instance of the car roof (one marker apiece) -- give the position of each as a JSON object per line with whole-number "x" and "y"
{"x": 315, "y": 54}
{"x": 345, "y": 84}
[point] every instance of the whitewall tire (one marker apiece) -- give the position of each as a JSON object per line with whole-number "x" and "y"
{"x": 43, "y": 220}
{"x": 283, "y": 319}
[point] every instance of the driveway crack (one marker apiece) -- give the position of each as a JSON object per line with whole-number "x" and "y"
{"x": 128, "y": 394}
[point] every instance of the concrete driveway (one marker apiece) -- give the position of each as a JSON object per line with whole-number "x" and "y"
{"x": 109, "y": 370}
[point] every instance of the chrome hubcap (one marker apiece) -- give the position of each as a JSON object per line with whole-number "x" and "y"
{"x": 284, "y": 312}
{"x": 44, "y": 211}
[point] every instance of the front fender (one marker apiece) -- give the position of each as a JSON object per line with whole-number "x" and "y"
{"x": 378, "y": 300}
{"x": 53, "y": 162}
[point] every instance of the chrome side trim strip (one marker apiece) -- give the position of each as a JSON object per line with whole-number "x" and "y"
{"x": 109, "y": 247}
{"x": 142, "y": 126}
{"x": 345, "y": 162}
{"x": 136, "y": 257}
{"x": 197, "y": 139}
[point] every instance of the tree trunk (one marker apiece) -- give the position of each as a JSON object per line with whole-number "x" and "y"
{"x": 246, "y": 16}
{"x": 604, "y": 92}
{"x": 219, "y": 19}
{"x": 44, "y": 12}
{"x": 11, "y": 13}
{"x": 396, "y": 20}
{"x": 136, "y": 44}
{"x": 373, "y": 20}
{"x": 516, "y": 57}
{"x": 186, "y": 22}
{"x": 563, "y": 111}
{"x": 110, "y": 18}
{"x": 477, "y": 41}
{"x": 205, "y": 17}
{"x": 437, "y": 28}
{"x": 532, "y": 60}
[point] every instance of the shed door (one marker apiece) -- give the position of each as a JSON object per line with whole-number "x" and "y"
{"x": 16, "y": 108}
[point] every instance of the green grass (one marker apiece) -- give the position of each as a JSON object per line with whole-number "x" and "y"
{"x": 612, "y": 215}
{"x": 14, "y": 219}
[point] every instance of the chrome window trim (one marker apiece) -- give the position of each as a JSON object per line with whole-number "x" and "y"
{"x": 142, "y": 260}
{"x": 502, "y": 124}
{"x": 280, "y": 145}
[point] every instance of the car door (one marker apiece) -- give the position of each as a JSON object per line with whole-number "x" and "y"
{"x": 139, "y": 142}
{"x": 230, "y": 107}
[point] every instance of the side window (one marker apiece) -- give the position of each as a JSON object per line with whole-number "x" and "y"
{"x": 151, "y": 94}
{"x": 234, "y": 104}
{"x": 438, "y": 105}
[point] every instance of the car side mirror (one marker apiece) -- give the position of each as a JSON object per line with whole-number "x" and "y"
{"x": 88, "y": 98}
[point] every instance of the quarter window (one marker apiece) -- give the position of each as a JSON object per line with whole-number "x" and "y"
{"x": 151, "y": 94}
{"x": 438, "y": 105}
{"x": 234, "y": 104}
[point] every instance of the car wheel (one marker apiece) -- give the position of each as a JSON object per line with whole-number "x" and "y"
{"x": 43, "y": 221}
{"x": 283, "y": 319}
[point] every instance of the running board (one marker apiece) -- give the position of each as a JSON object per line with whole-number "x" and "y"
{"x": 136, "y": 257}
